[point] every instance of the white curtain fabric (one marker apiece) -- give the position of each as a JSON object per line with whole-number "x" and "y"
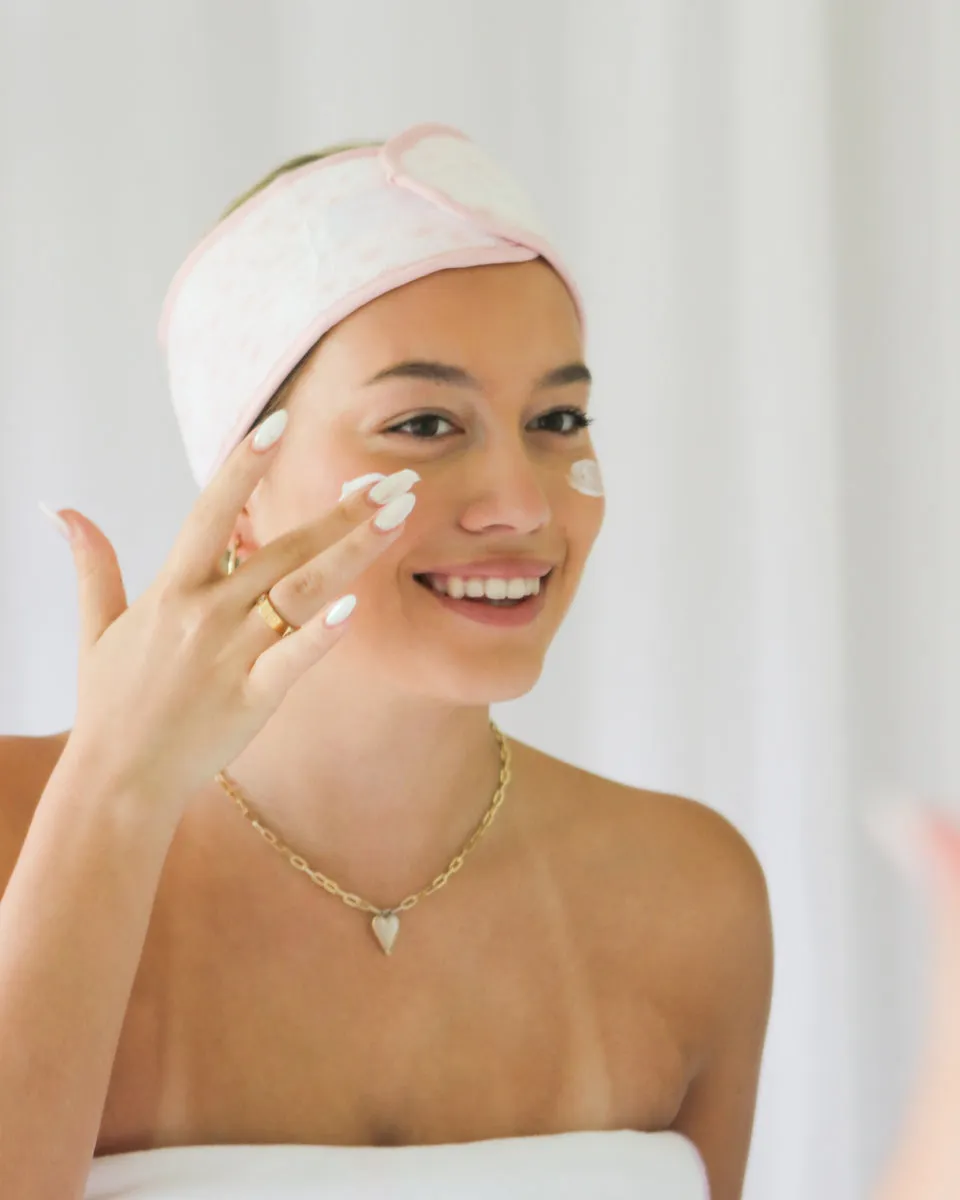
{"x": 762, "y": 199}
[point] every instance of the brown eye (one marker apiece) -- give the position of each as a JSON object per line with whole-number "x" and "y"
{"x": 425, "y": 426}
{"x": 565, "y": 421}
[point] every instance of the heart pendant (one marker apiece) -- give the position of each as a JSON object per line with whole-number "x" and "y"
{"x": 386, "y": 926}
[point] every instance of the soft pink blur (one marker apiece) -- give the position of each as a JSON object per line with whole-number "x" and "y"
{"x": 925, "y": 1164}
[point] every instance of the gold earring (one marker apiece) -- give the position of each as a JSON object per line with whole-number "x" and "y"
{"x": 232, "y": 559}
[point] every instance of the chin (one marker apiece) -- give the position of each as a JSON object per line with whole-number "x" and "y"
{"x": 486, "y": 686}
{"x": 455, "y": 675}
{"x": 474, "y": 679}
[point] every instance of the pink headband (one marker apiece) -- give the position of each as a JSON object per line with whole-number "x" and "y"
{"x": 315, "y": 245}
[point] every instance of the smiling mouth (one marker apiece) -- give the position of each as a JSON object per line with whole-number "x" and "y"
{"x": 478, "y": 590}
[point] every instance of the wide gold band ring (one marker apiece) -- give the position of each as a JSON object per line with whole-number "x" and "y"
{"x": 272, "y": 617}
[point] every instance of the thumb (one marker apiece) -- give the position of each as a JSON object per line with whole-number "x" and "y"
{"x": 102, "y": 596}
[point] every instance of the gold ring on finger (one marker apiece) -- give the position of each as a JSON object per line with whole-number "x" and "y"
{"x": 266, "y": 610}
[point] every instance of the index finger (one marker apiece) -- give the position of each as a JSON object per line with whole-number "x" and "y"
{"x": 209, "y": 525}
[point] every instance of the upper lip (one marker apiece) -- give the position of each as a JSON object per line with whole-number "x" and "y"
{"x": 497, "y": 568}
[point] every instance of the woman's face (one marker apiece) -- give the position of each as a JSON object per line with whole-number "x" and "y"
{"x": 493, "y": 431}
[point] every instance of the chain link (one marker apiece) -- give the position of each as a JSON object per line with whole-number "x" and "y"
{"x": 352, "y": 900}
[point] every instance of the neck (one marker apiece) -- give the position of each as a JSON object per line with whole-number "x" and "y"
{"x": 382, "y": 789}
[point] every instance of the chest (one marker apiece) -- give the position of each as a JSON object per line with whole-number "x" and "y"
{"x": 275, "y": 1020}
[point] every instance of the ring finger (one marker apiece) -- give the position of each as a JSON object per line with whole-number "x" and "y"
{"x": 322, "y": 580}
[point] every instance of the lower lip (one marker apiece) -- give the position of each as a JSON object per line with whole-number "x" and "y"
{"x": 490, "y": 614}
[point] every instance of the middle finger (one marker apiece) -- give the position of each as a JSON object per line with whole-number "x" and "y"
{"x": 301, "y": 564}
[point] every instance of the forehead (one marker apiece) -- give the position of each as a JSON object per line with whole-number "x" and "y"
{"x": 501, "y": 318}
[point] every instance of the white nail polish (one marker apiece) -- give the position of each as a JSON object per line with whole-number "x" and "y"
{"x": 57, "y": 521}
{"x": 395, "y": 512}
{"x": 394, "y": 485}
{"x": 585, "y": 477}
{"x": 270, "y": 430}
{"x": 361, "y": 481}
{"x": 340, "y": 610}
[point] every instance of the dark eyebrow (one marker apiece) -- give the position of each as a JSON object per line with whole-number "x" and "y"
{"x": 437, "y": 372}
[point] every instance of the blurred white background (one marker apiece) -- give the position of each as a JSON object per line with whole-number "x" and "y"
{"x": 762, "y": 201}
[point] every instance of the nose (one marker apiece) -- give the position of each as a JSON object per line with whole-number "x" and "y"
{"x": 506, "y": 491}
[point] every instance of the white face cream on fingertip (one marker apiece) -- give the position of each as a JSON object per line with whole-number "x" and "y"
{"x": 585, "y": 477}
{"x": 361, "y": 481}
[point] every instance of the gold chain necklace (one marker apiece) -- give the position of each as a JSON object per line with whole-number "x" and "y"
{"x": 386, "y": 921}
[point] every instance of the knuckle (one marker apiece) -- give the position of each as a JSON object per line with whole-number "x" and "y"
{"x": 167, "y": 579}
{"x": 193, "y": 618}
{"x": 173, "y": 572}
{"x": 192, "y": 614}
{"x": 168, "y": 596}
{"x": 304, "y": 584}
{"x": 219, "y": 603}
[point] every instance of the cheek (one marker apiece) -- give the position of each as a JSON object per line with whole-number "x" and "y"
{"x": 318, "y": 459}
{"x": 317, "y": 485}
{"x": 578, "y": 515}
{"x": 586, "y": 518}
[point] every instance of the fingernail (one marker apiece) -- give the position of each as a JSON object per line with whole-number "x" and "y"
{"x": 394, "y": 485}
{"x": 270, "y": 430}
{"x": 361, "y": 481}
{"x": 897, "y": 827}
{"x": 340, "y": 610}
{"x": 57, "y": 521}
{"x": 395, "y": 512}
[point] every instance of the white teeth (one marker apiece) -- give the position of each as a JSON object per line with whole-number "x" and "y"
{"x": 456, "y": 586}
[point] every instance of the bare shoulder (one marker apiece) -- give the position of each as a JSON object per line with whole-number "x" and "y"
{"x": 686, "y": 899}
{"x": 696, "y": 845}
{"x": 691, "y": 892}
{"x": 25, "y": 766}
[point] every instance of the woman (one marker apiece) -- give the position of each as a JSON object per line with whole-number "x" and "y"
{"x": 524, "y": 975}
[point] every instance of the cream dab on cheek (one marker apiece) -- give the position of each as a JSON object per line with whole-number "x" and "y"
{"x": 585, "y": 477}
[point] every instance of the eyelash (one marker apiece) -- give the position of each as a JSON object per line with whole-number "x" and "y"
{"x": 580, "y": 421}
